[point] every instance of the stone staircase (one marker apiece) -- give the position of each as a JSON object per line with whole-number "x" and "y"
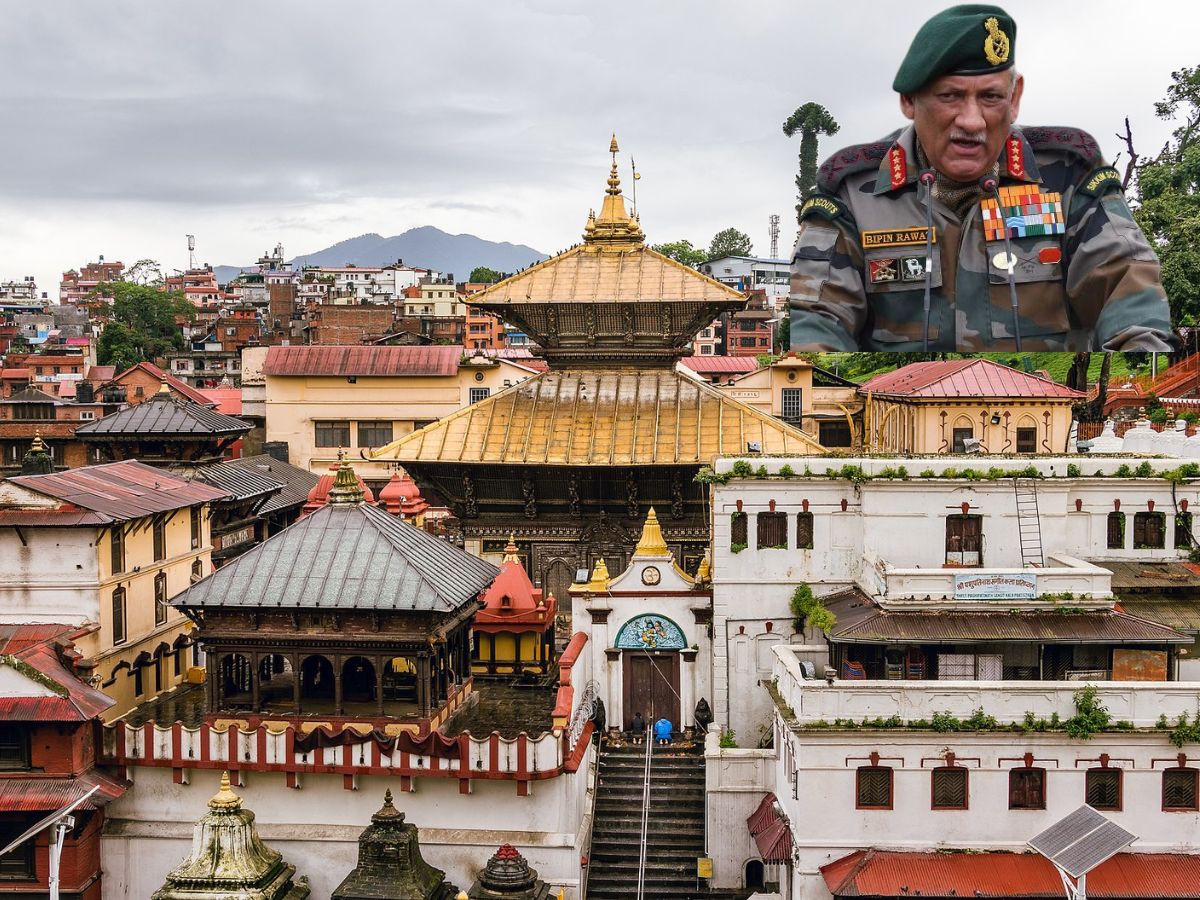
{"x": 675, "y": 832}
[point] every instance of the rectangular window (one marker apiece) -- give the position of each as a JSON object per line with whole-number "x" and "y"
{"x": 772, "y": 531}
{"x": 197, "y": 531}
{"x": 116, "y": 537}
{"x": 374, "y": 434}
{"x": 873, "y": 787}
{"x": 14, "y": 747}
{"x": 791, "y": 405}
{"x": 160, "y": 540}
{"x": 1116, "y": 531}
{"x": 747, "y": 342}
{"x": 160, "y": 598}
{"x": 964, "y": 540}
{"x": 738, "y": 532}
{"x": 1027, "y": 788}
{"x": 949, "y": 788}
{"x": 332, "y": 434}
{"x": 835, "y": 434}
{"x": 118, "y": 615}
{"x": 1103, "y": 789}
{"x": 961, "y": 435}
{"x": 1179, "y": 790}
{"x": 477, "y": 394}
{"x": 1149, "y": 530}
{"x": 804, "y": 531}
{"x": 1027, "y": 440}
{"x": 17, "y": 865}
{"x": 1183, "y": 531}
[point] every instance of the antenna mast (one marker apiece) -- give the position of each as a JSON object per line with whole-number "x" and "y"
{"x": 191, "y": 251}
{"x": 774, "y": 232}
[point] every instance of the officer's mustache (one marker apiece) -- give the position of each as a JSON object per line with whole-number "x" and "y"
{"x": 972, "y": 137}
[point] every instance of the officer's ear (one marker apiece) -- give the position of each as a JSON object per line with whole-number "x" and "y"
{"x": 1015, "y": 103}
{"x": 907, "y": 106}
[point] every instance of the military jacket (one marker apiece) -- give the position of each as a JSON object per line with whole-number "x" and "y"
{"x": 1086, "y": 277}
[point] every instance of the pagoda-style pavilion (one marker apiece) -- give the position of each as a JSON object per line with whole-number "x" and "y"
{"x": 576, "y": 455}
{"x": 349, "y": 612}
{"x": 390, "y": 865}
{"x": 514, "y": 632}
{"x": 229, "y": 861}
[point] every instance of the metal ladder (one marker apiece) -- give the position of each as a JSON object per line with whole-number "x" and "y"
{"x": 1029, "y": 522}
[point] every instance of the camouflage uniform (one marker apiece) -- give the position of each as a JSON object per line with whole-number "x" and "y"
{"x": 1096, "y": 286}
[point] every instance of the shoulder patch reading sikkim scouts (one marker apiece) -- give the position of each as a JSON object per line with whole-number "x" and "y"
{"x": 895, "y": 237}
{"x": 1024, "y": 211}
{"x": 823, "y": 207}
{"x": 1102, "y": 180}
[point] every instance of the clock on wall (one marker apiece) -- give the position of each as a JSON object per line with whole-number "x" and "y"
{"x": 651, "y": 575}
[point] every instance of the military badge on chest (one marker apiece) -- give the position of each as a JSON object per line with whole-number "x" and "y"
{"x": 896, "y": 255}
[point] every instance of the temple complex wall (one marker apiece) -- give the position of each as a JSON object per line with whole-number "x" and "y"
{"x": 149, "y": 830}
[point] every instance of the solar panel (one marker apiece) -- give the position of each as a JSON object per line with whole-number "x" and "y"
{"x": 1081, "y": 841}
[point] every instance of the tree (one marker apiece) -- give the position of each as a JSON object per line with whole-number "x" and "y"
{"x": 682, "y": 252}
{"x": 1167, "y": 200}
{"x": 811, "y": 120}
{"x": 145, "y": 271}
{"x": 141, "y": 322}
{"x": 783, "y": 332}
{"x": 484, "y": 275}
{"x": 730, "y": 242}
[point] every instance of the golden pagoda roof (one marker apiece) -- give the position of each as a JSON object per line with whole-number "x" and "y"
{"x": 614, "y": 417}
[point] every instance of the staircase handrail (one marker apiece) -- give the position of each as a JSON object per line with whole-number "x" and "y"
{"x": 585, "y": 837}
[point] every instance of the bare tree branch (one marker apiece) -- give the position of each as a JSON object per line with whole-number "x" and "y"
{"x": 1131, "y": 165}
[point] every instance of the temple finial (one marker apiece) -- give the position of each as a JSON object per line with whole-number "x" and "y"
{"x": 510, "y": 551}
{"x": 225, "y": 798}
{"x": 652, "y": 542}
{"x": 346, "y": 488}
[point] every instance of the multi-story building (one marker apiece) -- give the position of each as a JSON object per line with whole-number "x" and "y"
{"x": 21, "y": 295}
{"x": 50, "y": 370}
{"x": 127, "y": 537}
{"x": 748, "y": 273}
{"x": 199, "y": 286}
{"x": 483, "y": 330}
{"x": 76, "y": 285}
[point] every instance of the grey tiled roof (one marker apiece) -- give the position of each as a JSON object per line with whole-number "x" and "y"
{"x": 164, "y": 415}
{"x": 241, "y": 484}
{"x": 296, "y": 482}
{"x": 346, "y": 557}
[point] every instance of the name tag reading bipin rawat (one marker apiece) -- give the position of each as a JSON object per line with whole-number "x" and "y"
{"x": 896, "y": 237}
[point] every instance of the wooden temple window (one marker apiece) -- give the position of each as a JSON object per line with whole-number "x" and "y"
{"x": 1116, "y": 531}
{"x": 772, "y": 531}
{"x": 196, "y": 529}
{"x": 964, "y": 540}
{"x": 160, "y": 598}
{"x": 739, "y": 532}
{"x": 1183, "y": 531}
{"x": 116, "y": 537}
{"x": 1179, "y": 792}
{"x": 374, "y": 434}
{"x": 1027, "y": 788}
{"x": 18, "y": 864}
{"x": 873, "y": 787}
{"x": 14, "y": 748}
{"x": 118, "y": 615}
{"x": 960, "y": 437}
{"x": 804, "y": 531}
{"x": 1027, "y": 440}
{"x": 1149, "y": 530}
{"x": 160, "y": 540}
{"x": 948, "y": 788}
{"x": 1102, "y": 789}
{"x": 334, "y": 434}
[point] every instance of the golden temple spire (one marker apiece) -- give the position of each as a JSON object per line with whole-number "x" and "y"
{"x": 345, "y": 487}
{"x": 510, "y": 552}
{"x": 614, "y": 228}
{"x": 598, "y": 584}
{"x": 652, "y": 542}
{"x": 38, "y": 445}
{"x": 704, "y": 572}
{"x": 225, "y": 798}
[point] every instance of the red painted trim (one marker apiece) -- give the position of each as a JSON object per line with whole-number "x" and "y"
{"x": 406, "y": 783}
{"x": 494, "y": 754}
{"x": 177, "y": 740}
{"x": 348, "y": 783}
{"x": 204, "y": 742}
{"x": 522, "y": 756}
{"x": 260, "y": 745}
{"x": 148, "y": 740}
{"x": 291, "y": 779}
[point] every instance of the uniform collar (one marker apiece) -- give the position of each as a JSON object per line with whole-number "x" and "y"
{"x": 898, "y": 167}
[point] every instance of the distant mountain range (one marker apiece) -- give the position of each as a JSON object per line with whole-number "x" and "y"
{"x": 425, "y": 247}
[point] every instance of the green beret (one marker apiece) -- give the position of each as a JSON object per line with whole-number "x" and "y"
{"x": 972, "y": 39}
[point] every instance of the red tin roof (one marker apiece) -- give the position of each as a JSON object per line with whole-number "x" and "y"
{"x": 965, "y": 378}
{"x": 48, "y": 794}
{"x": 734, "y": 365}
{"x": 770, "y": 832}
{"x": 363, "y": 360}
{"x": 36, "y": 648}
{"x": 115, "y": 492}
{"x": 176, "y": 385}
{"x": 1126, "y": 876}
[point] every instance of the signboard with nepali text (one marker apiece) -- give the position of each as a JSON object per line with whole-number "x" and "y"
{"x": 996, "y": 586}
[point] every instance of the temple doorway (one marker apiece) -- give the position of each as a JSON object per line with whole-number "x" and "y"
{"x": 651, "y": 686}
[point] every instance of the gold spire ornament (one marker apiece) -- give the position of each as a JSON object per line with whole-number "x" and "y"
{"x": 614, "y": 229}
{"x": 345, "y": 487}
{"x": 225, "y": 798}
{"x": 510, "y": 551}
{"x": 38, "y": 445}
{"x": 652, "y": 542}
{"x": 597, "y": 584}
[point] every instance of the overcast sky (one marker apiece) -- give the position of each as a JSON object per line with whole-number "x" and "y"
{"x": 129, "y": 123}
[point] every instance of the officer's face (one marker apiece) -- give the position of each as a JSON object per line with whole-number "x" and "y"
{"x": 963, "y": 120}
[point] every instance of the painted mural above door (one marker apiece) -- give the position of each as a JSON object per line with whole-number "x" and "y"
{"x": 650, "y": 632}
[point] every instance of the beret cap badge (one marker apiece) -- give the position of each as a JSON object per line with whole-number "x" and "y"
{"x": 996, "y": 47}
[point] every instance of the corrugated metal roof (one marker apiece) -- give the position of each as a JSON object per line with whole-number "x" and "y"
{"x": 1181, "y": 611}
{"x": 1127, "y": 876}
{"x": 600, "y": 418}
{"x": 346, "y": 556}
{"x": 363, "y": 360}
{"x": 238, "y": 482}
{"x": 1150, "y": 576}
{"x": 33, "y": 395}
{"x": 178, "y": 386}
{"x": 57, "y": 518}
{"x": 1087, "y": 627}
{"x": 965, "y": 378}
{"x": 591, "y": 274}
{"x": 296, "y": 482}
{"x": 163, "y": 416}
{"x": 705, "y": 365}
{"x": 35, "y": 646}
{"x": 770, "y": 832}
{"x": 47, "y": 794}
{"x": 17, "y": 638}
{"x": 120, "y": 491}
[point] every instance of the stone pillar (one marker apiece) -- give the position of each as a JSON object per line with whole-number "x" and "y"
{"x": 687, "y": 687}
{"x": 255, "y": 679}
{"x": 337, "y": 685}
{"x": 297, "y": 681}
{"x": 423, "y": 685}
{"x": 379, "y": 664}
